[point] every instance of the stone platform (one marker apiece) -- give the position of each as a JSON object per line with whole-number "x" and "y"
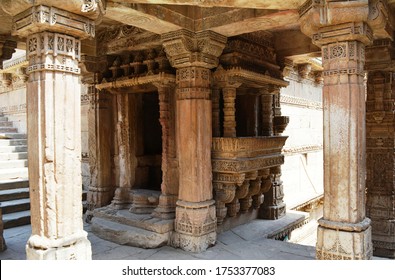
{"x": 248, "y": 241}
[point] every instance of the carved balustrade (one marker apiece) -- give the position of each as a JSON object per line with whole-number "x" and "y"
{"x": 241, "y": 171}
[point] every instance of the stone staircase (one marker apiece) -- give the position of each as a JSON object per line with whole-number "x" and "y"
{"x": 14, "y": 184}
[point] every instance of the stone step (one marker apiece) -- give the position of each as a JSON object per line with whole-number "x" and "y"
{"x": 128, "y": 235}
{"x": 16, "y": 205}
{"x": 3, "y": 119}
{"x": 16, "y": 219}
{"x": 8, "y": 130}
{"x": 18, "y": 163}
{"x": 5, "y": 124}
{"x": 13, "y": 184}
{"x": 13, "y": 173}
{"x": 13, "y": 156}
{"x": 12, "y": 149}
{"x": 12, "y": 135}
{"x": 7, "y": 195}
{"x": 13, "y": 142}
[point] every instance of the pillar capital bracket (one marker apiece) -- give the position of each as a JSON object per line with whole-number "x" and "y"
{"x": 185, "y": 48}
{"x": 320, "y": 16}
{"x": 44, "y": 18}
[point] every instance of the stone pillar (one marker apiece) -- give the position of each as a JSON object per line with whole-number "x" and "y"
{"x": 194, "y": 54}
{"x": 54, "y": 129}
{"x": 267, "y": 113}
{"x": 344, "y": 232}
{"x": 169, "y": 186}
{"x": 101, "y": 189}
{"x": 122, "y": 197}
{"x": 3, "y": 246}
{"x": 229, "y": 96}
{"x": 380, "y": 141}
{"x": 215, "y": 97}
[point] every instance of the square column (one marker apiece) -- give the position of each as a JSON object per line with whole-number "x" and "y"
{"x": 194, "y": 54}
{"x": 54, "y": 129}
{"x": 344, "y": 232}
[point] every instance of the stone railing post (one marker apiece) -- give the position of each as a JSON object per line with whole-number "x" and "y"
{"x": 194, "y": 54}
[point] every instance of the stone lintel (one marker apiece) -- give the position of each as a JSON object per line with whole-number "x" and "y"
{"x": 185, "y": 48}
{"x": 44, "y": 18}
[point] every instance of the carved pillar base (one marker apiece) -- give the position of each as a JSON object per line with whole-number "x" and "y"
{"x": 339, "y": 244}
{"x": 166, "y": 207}
{"x": 195, "y": 226}
{"x": 76, "y": 248}
{"x": 97, "y": 197}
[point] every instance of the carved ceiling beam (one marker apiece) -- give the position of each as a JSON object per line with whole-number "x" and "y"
{"x": 238, "y": 75}
{"x": 135, "y": 82}
{"x": 262, "y": 20}
{"x": 133, "y": 16}
{"x": 262, "y": 4}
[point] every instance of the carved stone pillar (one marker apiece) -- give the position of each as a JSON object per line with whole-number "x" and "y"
{"x": 267, "y": 113}
{"x": 169, "y": 187}
{"x": 215, "y": 96}
{"x": 344, "y": 232}
{"x": 229, "y": 96}
{"x": 54, "y": 129}
{"x": 194, "y": 54}
{"x": 380, "y": 140}
{"x": 122, "y": 197}
{"x": 101, "y": 188}
{"x": 273, "y": 206}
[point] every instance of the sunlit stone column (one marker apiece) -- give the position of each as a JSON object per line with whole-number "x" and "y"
{"x": 344, "y": 232}
{"x": 194, "y": 54}
{"x": 54, "y": 129}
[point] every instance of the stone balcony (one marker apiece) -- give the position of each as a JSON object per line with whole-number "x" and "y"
{"x": 242, "y": 172}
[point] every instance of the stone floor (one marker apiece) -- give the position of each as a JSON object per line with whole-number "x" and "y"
{"x": 248, "y": 241}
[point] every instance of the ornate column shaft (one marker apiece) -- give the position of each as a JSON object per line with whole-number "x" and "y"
{"x": 193, "y": 54}
{"x": 54, "y": 129}
{"x": 229, "y": 96}
{"x": 101, "y": 188}
{"x": 380, "y": 141}
{"x": 344, "y": 232}
{"x": 169, "y": 186}
{"x": 215, "y": 96}
{"x": 123, "y": 160}
{"x": 267, "y": 113}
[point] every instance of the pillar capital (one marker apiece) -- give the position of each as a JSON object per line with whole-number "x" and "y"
{"x": 185, "y": 48}
{"x": 327, "y": 21}
{"x": 47, "y": 18}
{"x": 380, "y": 56}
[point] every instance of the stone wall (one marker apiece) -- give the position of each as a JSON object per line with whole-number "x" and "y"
{"x": 302, "y": 172}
